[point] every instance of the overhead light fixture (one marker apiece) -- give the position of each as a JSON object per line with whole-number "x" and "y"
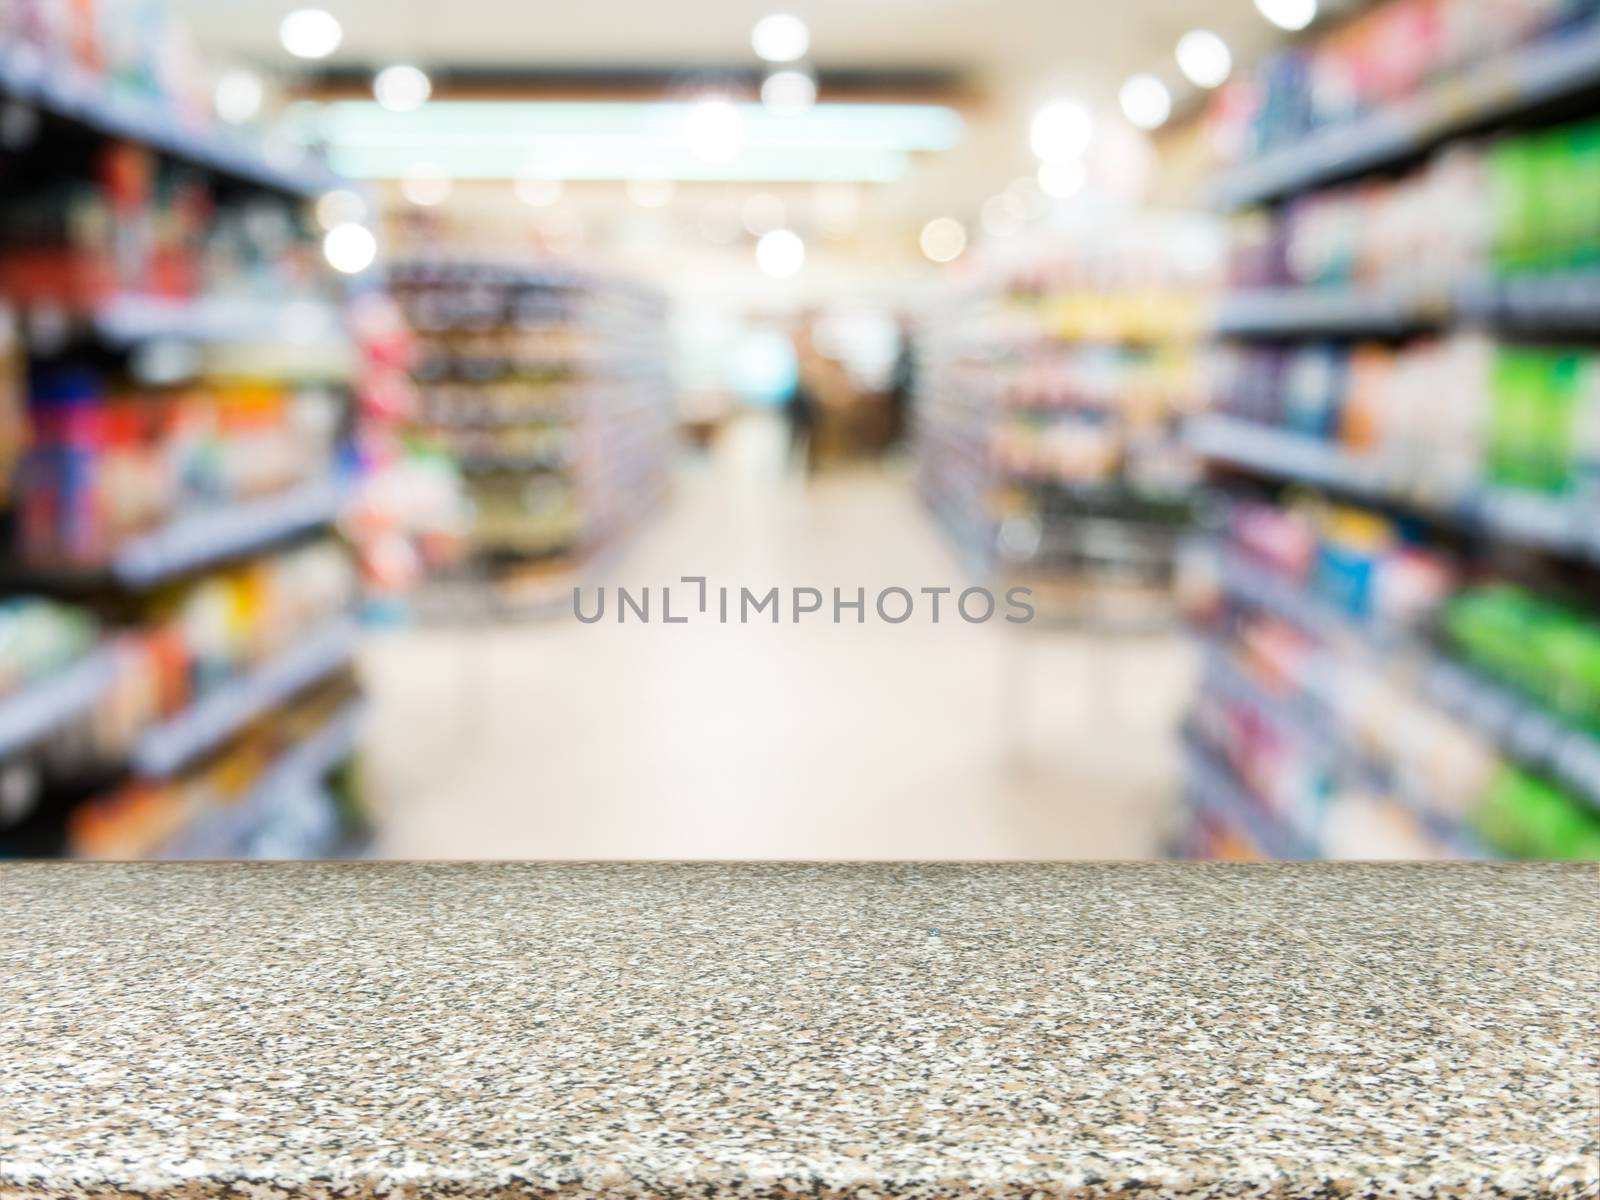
{"x": 943, "y": 239}
{"x": 238, "y": 95}
{"x": 1030, "y": 201}
{"x": 426, "y": 187}
{"x": 402, "y": 88}
{"x": 536, "y": 191}
{"x": 1001, "y": 215}
{"x": 349, "y": 248}
{"x": 310, "y": 33}
{"x": 340, "y": 207}
{"x": 1145, "y": 101}
{"x": 780, "y": 37}
{"x": 1204, "y": 58}
{"x": 1293, "y": 15}
{"x": 650, "y": 193}
{"x": 836, "y": 208}
{"x": 1062, "y": 180}
{"x": 780, "y": 253}
{"x": 1061, "y": 129}
{"x": 763, "y": 212}
{"x": 714, "y": 130}
{"x": 617, "y": 140}
{"x": 788, "y": 92}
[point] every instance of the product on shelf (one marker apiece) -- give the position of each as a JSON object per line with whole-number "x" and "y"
{"x": 173, "y": 400}
{"x": 141, "y": 230}
{"x": 1050, "y": 398}
{"x": 39, "y": 638}
{"x": 235, "y": 804}
{"x": 1448, "y": 416}
{"x": 109, "y": 459}
{"x": 1379, "y": 58}
{"x": 1326, "y": 698}
{"x": 1518, "y": 205}
{"x": 547, "y": 389}
{"x": 1550, "y": 652}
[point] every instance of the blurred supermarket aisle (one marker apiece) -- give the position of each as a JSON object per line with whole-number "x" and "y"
{"x": 703, "y": 740}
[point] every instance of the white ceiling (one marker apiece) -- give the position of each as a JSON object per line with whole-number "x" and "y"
{"x": 998, "y": 40}
{"x": 1014, "y": 53}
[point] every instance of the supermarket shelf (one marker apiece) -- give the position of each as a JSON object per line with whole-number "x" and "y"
{"x": 211, "y": 721}
{"x": 1280, "y": 454}
{"x": 224, "y": 833}
{"x": 74, "y": 95}
{"x": 194, "y": 541}
{"x": 1521, "y": 731}
{"x": 46, "y": 705}
{"x": 1505, "y": 84}
{"x": 1527, "y": 519}
{"x": 128, "y": 320}
{"x": 1557, "y": 302}
{"x": 1289, "y": 311}
{"x": 1307, "y": 722}
{"x": 1212, "y": 789}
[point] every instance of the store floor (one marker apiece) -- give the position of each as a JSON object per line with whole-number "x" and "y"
{"x": 556, "y": 739}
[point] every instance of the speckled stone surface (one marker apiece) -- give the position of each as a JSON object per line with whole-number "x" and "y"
{"x": 929, "y": 1032}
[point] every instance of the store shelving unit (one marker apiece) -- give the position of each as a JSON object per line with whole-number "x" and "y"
{"x": 72, "y": 733}
{"x": 1548, "y": 71}
{"x": 67, "y": 92}
{"x": 1047, "y": 415}
{"x": 1554, "y": 525}
{"x": 1483, "y": 524}
{"x": 548, "y": 387}
{"x": 168, "y": 747}
{"x": 41, "y": 708}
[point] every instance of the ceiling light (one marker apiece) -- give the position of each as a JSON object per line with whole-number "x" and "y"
{"x": 340, "y": 207}
{"x": 762, "y": 213}
{"x": 780, "y": 37}
{"x": 780, "y": 253}
{"x": 1061, "y": 129}
{"x": 788, "y": 92}
{"x": 425, "y": 187}
{"x": 1145, "y": 101}
{"x": 349, "y": 248}
{"x": 238, "y": 96}
{"x": 1030, "y": 201}
{"x": 401, "y": 88}
{"x": 943, "y": 239}
{"x": 1061, "y": 179}
{"x": 310, "y": 33}
{"x": 714, "y": 131}
{"x": 1204, "y": 58}
{"x": 836, "y": 208}
{"x": 537, "y": 192}
{"x": 1001, "y": 215}
{"x": 650, "y": 193}
{"x": 1292, "y": 15}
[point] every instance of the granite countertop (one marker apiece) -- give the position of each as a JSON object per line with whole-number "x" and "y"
{"x": 872, "y": 1031}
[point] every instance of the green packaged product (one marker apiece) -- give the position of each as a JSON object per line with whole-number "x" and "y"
{"x": 1526, "y": 817}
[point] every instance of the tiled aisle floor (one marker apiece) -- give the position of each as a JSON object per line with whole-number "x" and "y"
{"x": 562, "y": 740}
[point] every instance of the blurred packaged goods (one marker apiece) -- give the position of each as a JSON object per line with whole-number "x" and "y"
{"x": 546, "y": 387}
{"x": 175, "y": 396}
{"x": 1337, "y": 673}
{"x": 1049, "y": 407}
{"x": 1409, "y": 328}
{"x": 1408, "y": 70}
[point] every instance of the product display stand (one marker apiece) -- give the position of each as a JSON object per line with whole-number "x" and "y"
{"x": 182, "y": 374}
{"x": 547, "y": 386}
{"x": 1397, "y": 597}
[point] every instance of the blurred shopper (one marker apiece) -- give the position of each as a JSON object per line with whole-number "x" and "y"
{"x": 830, "y": 397}
{"x": 800, "y": 409}
{"x": 902, "y": 381}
